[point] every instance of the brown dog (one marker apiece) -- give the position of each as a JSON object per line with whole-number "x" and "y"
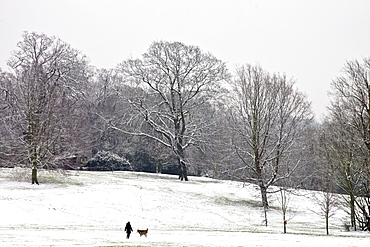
{"x": 143, "y": 232}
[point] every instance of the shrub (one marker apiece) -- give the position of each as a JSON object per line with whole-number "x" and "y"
{"x": 108, "y": 161}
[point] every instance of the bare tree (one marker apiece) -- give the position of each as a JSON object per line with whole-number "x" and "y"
{"x": 339, "y": 154}
{"x": 349, "y": 120}
{"x": 173, "y": 81}
{"x": 5, "y": 113}
{"x": 43, "y": 97}
{"x": 326, "y": 199}
{"x": 328, "y": 203}
{"x": 363, "y": 212}
{"x": 326, "y": 175}
{"x": 267, "y": 118}
{"x": 283, "y": 200}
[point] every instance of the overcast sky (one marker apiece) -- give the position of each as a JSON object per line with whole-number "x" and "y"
{"x": 307, "y": 40}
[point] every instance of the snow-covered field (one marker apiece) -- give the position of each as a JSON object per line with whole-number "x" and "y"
{"x": 92, "y": 208}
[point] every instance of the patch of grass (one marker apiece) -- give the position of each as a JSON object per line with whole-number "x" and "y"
{"x": 206, "y": 181}
{"x": 125, "y": 246}
{"x": 324, "y": 235}
{"x": 44, "y": 176}
{"x": 55, "y": 177}
{"x": 151, "y": 245}
{"x": 225, "y": 201}
{"x": 18, "y": 174}
{"x": 160, "y": 176}
{"x": 145, "y": 175}
{"x": 244, "y": 203}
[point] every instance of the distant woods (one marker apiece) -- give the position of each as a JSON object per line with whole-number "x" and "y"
{"x": 177, "y": 109}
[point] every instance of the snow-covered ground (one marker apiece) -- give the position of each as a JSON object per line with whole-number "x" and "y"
{"x": 92, "y": 208}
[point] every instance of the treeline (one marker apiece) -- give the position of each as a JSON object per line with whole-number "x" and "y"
{"x": 178, "y": 110}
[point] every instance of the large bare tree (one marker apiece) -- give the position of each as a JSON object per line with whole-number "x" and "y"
{"x": 268, "y": 116}
{"x": 44, "y": 96}
{"x": 173, "y": 81}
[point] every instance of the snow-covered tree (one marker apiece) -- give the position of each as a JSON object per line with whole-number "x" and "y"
{"x": 173, "y": 81}
{"x": 45, "y": 124}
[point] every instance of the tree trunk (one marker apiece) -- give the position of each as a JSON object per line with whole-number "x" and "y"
{"x": 353, "y": 213}
{"x": 285, "y": 223}
{"x": 158, "y": 166}
{"x": 284, "y": 206}
{"x": 265, "y": 204}
{"x": 183, "y": 175}
{"x": 327, "y": 222}
{"x": 34, "y": 175}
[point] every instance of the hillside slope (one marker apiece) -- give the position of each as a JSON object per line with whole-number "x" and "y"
{"x": 92, "y": 208}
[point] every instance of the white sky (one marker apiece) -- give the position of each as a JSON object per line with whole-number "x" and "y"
{"x": 309, "y": 40}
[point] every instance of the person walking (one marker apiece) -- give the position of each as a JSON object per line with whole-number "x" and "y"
{"x": 128, "y": 229}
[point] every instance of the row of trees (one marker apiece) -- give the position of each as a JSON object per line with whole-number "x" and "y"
{"x": 178, "y": 109}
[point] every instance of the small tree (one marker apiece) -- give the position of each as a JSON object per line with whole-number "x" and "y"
{"x": 284, "y": 204}
{"x": 283, "y": 198}
{"x": 328, "y": 204}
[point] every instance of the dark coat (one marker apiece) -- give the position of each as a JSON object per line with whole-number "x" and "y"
{"x": 128, "y": 228}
